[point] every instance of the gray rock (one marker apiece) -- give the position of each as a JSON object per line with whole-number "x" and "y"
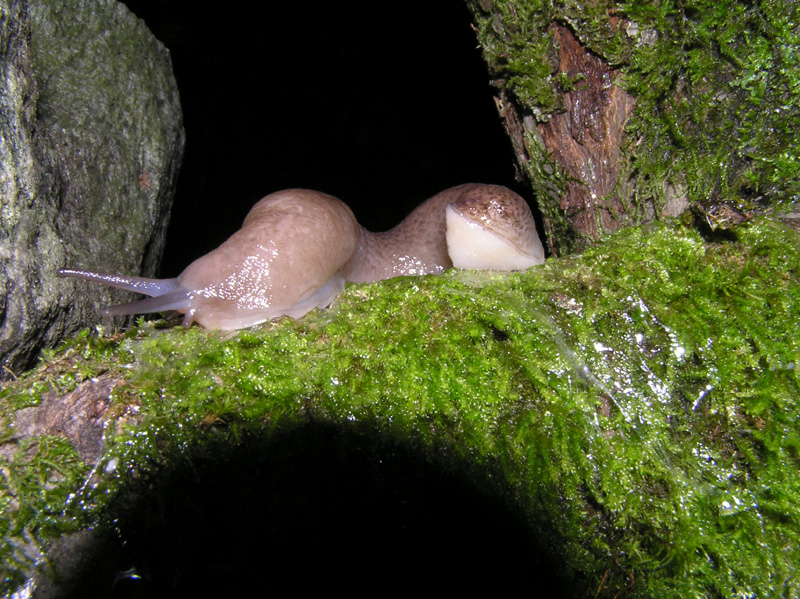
{"x": 91, "y": 139}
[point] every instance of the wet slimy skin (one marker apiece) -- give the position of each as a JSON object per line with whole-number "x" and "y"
{"x": 298, "y": 247}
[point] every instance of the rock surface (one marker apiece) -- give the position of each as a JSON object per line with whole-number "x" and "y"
{"x": 92, "y": 140}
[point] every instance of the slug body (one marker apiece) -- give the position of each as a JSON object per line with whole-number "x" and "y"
{"x": 297, "y": 247}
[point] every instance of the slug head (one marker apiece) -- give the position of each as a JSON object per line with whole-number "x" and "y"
{"x": 492, "y": 230}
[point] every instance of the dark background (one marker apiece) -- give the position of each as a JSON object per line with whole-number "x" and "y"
{"x": 380, "y": 104}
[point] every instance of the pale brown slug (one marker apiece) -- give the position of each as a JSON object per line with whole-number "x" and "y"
{"x": 297, "y": 247}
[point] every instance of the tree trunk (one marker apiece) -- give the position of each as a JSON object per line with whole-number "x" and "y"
{"x": 621, "y": 115}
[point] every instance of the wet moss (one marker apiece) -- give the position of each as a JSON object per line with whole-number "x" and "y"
{"x": 717, "y": 94}
{"x": 637, "y": 404}
{"x": 38, "y": 481}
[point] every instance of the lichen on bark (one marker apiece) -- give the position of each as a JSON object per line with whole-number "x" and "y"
{"x": 638, "y": 404}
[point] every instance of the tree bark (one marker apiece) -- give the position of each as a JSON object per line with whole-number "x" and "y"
{"x": 622, "y": 114}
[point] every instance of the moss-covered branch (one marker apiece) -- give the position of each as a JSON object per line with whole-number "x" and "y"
{"x": 638, "y": 404}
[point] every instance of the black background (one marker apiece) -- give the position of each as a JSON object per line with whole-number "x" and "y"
{"x": 380, "y": 104}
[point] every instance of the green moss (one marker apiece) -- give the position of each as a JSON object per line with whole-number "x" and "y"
{"x": 36, "y": 485}
{"x": 639, "y": 403}
{"x": 717, "y": 96}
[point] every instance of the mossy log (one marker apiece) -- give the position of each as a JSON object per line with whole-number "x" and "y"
{"x": 634, "y": 410}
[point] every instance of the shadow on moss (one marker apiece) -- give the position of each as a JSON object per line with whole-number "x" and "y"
{"x": 312, "y": 510}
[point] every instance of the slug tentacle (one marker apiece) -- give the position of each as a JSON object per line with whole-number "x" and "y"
{"x": 297, "y": 247}
{"x": 166, "y": 294}
{"x": 152, "y": 287}
{"x": 177, "y": 299}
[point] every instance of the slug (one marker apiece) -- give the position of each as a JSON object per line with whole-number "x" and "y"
{"x": 297, "y": 248}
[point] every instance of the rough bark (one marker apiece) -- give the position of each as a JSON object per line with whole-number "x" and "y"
{"x": 585, "y": 139}
{"x": 79, "y": 416}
